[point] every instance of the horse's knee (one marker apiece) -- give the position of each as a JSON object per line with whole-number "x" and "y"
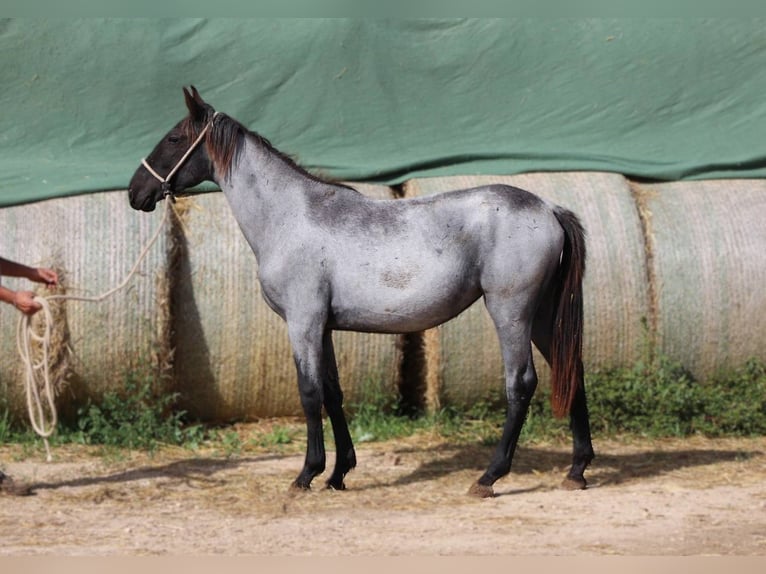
{"x": 311, "y": 395}
{"x": 520, "y": 386}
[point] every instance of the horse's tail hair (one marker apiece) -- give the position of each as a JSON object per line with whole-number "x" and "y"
{"x": 567, "y": 333}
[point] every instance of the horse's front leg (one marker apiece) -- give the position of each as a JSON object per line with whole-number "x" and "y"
{"x": 309, "y": 362}
{"x": 345, "y": 456}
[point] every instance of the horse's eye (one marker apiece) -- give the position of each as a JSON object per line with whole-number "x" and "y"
{"x": 173, "y": 139}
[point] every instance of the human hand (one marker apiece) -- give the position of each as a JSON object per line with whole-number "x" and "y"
{"x": 47, "y": 276}
{"x": 25, "y": 302}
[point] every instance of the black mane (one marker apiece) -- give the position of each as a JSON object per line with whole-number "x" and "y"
{"x": 226, "y": 138}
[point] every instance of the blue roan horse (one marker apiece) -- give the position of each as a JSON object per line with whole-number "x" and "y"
{"x": 330, "y": 258}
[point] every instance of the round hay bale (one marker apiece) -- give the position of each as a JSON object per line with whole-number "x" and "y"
{"x": 463, "y": 360}
{"x": 232, "y": 359}
{"x": 93, "y": 241}
{"x": 709, "y": 264}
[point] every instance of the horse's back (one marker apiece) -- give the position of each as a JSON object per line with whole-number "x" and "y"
{"x": 498, "y": 220}
{"x": 461, "y": 228}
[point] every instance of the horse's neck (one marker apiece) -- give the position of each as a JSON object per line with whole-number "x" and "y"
{"x": 265, "y": 193}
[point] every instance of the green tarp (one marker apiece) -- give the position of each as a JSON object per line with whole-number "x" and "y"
{"x": 387, "y": 100}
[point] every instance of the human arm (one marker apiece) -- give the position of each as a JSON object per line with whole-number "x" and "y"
{"x": 37, "y": 274}
{"x": 24, "y": 300}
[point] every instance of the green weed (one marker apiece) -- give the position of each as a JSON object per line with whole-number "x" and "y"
{"x": 663, "y": 399}
{"x": 373, "y": 417}
{"x": 655, "y": 397}
{"x": 6, "y": 432}
{"x": 231, "y": 444}
{"x": 278, "y": 437}
{"x": 135, "y": 417}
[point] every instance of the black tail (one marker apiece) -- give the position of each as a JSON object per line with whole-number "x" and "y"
{"x": 566, "y": 340}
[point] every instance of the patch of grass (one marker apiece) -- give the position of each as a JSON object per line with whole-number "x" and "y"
{"x": 135, "y": 417}
{"x": 663, "y": 399}
{"x": 378, "y": 416}
{"x": 13, "y": 432}
{"x": 230, "y": 443}
{"x": 735, "y": 403}
{"x": 6, "y": 431}
{"x": 375, "y": 416}
{"x": 655, "y": 397}
{"x": 278, "y": 437}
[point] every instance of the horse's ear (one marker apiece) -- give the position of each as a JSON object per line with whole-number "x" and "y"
{"x": 195, "y": 104}
{"x": 196, "y": 95}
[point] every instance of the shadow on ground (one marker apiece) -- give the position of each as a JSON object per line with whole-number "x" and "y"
{"x": 607, "y": 467}
{"x": 441, "y": 461}
{"x": 197, "y": 469}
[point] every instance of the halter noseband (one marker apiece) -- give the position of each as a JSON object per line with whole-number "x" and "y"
{"x": 165, "y": 181}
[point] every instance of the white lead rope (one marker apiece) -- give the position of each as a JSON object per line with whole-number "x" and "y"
{"x": 26, "y": 336}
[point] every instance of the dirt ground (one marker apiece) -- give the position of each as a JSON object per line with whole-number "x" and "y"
{"x": 669, "y": 497}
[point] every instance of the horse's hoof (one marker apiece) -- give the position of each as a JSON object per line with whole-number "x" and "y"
{"x": 481, "y": 491}
{"x": 336, "y": 486}
{"x": 570, "y": 483}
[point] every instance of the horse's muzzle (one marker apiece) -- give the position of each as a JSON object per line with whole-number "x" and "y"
{"x": 148, "y": 203}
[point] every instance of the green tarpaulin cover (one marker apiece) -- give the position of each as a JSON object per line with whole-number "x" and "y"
{"x": 386, "y": 100}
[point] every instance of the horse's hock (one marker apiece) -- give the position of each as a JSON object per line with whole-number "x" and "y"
{"x": 686, "y": 259}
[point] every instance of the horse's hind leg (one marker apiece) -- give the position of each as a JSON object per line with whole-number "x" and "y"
{"x": 579, "y": 422}
{"x": 582, "y": 450}
{"x": 345, "y": 457}
{"x": 520, "y": 383}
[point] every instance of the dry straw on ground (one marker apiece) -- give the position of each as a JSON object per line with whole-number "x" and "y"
{"x": 406, "y": 497}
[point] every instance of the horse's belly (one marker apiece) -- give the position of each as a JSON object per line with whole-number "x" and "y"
{"x": 402, "y": 309}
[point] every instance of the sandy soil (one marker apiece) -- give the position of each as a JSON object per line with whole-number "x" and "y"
{"x": 679, "y": 497}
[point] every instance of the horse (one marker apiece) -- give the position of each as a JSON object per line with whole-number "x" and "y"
{"x": 330, "y": 258}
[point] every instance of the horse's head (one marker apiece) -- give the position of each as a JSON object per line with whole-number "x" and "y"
{"x": 178, "y": 161}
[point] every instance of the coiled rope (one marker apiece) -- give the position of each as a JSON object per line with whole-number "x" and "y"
{"x": 38, "y": 385}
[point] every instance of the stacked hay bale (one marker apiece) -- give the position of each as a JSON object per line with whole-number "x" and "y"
{"x": 708, "y": 265}
{"x": 463, "y": 362}
{"x": 92, "y": 241}
{"x": 232, "y": 359}
{"x": 686, "y": 259}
